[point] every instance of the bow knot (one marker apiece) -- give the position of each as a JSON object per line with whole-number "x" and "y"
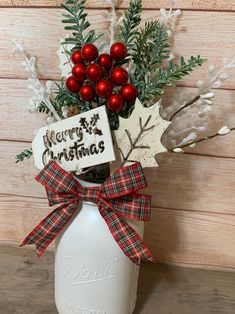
{"x": 117, "y": 199}
{"x": 89, "y": 194}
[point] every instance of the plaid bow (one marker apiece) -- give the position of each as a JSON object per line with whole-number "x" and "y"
{"x": 116, "y": 200}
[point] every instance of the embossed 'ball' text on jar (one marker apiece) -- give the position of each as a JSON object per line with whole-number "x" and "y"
{"x": 92, "y": 274}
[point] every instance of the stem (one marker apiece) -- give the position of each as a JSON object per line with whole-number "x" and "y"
{"x": 199, "y": 140}
{"x": 185, "y": 106}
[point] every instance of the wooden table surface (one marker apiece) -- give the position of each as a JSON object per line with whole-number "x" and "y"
{"x": 27, "y": 287}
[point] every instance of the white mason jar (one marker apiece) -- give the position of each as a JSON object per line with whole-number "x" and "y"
{"x": 92, "y": 274}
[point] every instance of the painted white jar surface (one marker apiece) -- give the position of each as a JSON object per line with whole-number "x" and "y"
{"x": 92, "y": 274}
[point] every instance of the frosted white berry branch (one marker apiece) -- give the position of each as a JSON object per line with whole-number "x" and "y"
{"x": 41, "y": 93}
{"x": 223, "y": 131}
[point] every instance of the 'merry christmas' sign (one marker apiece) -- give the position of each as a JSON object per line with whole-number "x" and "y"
{"x": 75, "y": 143}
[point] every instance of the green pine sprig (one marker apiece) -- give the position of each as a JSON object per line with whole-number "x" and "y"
{"x": 63, "y": 97}
{"x": 42, "y": 108}
{"x": 76, "y": 21}
{"x": 159, "y": 47}
{"x": 153, "y": 85}
{"x": 26, "y": 154}
{"x": 129, "y": 26}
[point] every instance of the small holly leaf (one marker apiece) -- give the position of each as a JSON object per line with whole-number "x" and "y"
{"x": 94, "y": 119}
{"x": 97, "y": 131}
{"x": 139, "y": 136}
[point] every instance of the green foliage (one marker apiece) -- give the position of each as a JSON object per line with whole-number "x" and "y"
{"x": 76, "y": 21}
{"x": 42, "y": 108}
{"x": 154, "y": 83}
{"x": 132, "y": 18}
{"x": 26, "y": 154}
{"x": 113, "y": 120}
{"x": 175, "y": 72}
{"x": 64, "y": 97}
{"x": 151, "y": 46}
{"x": 148, "y": 46}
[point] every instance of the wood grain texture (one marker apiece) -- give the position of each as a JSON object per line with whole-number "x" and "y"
{"x": 16, "y": 122}
{"x": 183, "y": 237}
{"x": 19, "y": 215}
{"x": 193, "y": 183}
{"x": 189, "y": 290}
{"x": 27, "y": 284}
{"x": 183, "y": 4}
{"x": 192, "y": 238}
{"x": 166, "y": 289}
{"x": 182, "y": 181}
{"x": 197, "y": 33}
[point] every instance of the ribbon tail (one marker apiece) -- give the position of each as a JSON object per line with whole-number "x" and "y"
{"x": 48, "y": 229}
{"x": 126, "y": 237}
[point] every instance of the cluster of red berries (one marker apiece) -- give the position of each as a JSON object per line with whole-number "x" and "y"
{"x": 95, "y": 75}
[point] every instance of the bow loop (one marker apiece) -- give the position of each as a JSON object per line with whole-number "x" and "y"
{"x": 124, "y": 181}
{"x": 60, "y": 185}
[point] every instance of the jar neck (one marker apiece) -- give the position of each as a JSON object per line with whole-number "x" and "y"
{"x": 87, "y": 183}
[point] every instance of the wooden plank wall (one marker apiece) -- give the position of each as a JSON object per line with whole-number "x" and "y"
{"x": 193, "y": 219}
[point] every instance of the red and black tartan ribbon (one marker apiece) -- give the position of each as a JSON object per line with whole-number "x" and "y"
{"x": 116, "y": 199}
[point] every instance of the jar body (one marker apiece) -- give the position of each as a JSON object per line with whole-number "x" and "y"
{"x": 92, "y": 274}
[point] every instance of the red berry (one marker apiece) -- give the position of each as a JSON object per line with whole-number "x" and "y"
{"x": 76, "y": 57}
{"x": 118, "y": 51}
{"x": 104, "y": 88}
{"x": 90, "y": 52}
{"x": 79, "y": 72}
{"x": 106, "y": 61}
{"x": 115, "y": 103}
{"x": 87, "y": 92}
{"x": 119, "y": 76}
{"x": 94, "y": 72}
{"x": 129, "y": 92}
{"x": 73, "y": 85}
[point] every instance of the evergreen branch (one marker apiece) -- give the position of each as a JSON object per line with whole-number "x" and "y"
{"x": 26, "y": 154}
{"x": 153, "y": 85}
{"x": 175, "y": 72}
{"x": 63, "y": 97}
{"x": 141, "y": 41}
{"x": 113, "y": 120}
{"x": 76, "y": 21}
{"x": 132, "y": 18}
{"x": 151, "y": 46}
{"x": 42, "y": 108}
{"x": 160, "y": 48}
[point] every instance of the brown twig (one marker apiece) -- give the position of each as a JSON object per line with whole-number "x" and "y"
{"x": 185, "y": 106}
{"x": 199, "y": 140}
